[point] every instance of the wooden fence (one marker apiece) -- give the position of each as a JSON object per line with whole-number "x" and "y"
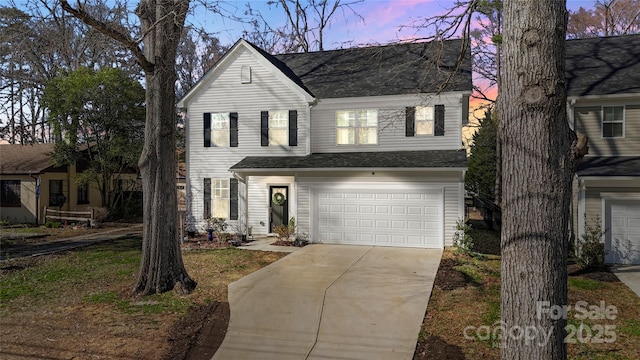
{"x": 80, "y": 216}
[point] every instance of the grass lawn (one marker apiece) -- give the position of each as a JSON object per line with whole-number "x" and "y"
{"x": 466, "y": 295}
{"x": 78, "y": 305}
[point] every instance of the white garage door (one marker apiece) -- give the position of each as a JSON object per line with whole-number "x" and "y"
{"x": 623, "y": 240}
{"x": 380, "y": 217}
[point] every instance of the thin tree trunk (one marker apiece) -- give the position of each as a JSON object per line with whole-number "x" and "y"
{"x": 537, "y": 167}
{"x": 161, "y": 268}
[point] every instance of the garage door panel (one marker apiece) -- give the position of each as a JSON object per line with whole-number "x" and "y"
{"x": 380, "y": 217}
{"x": 623, "y": 239}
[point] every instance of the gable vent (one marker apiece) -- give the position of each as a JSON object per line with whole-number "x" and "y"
{"x": 245, "y": 74}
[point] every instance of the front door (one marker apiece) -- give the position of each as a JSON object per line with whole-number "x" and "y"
{"x": 279, "y": 206}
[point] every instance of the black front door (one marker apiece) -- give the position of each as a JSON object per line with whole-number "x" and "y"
{"x": 279, "y": 206}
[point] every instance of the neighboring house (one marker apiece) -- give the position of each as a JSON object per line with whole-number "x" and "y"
{"x": 361, "y": 146}
{"x": 29, "y": 182}
{"x": 603, "y": 85}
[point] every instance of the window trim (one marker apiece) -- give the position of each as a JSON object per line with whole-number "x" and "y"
{"x": 285, "y": 127}
{"x": 603, "y": 122}
{"x": 215, "y": 118}
{"x": 214, "y": 190}
{"x": 356, "y": 127}
{"x": 432, "y": 121}
{"x": 16, "y": 203}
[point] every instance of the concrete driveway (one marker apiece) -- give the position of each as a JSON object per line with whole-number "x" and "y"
{"x": 332, "y": 302}
{"x": 630, "y": 275}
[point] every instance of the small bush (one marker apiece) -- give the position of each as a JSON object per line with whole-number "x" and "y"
{"x": 284, "y": 232}
{"x": 590, "y": 248}
{"x": 462, "y": 239}
{"x": 53, "y": 224}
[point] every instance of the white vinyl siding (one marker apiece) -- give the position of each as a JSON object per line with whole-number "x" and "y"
{"x": 589, "y": 121}
{"x": 259, "y": 200}
{"x": 266, "y": 91}
{"x": 391, "y": 120}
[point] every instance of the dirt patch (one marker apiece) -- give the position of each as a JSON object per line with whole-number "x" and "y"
{"x": 198, "y": 335}
{"x": 448, "y": 278}
{"x": 604, "y": 275}
{"x": 434, "y": 347}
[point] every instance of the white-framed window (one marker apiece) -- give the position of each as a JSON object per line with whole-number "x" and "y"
{"x": 612, "y": 121}
{"x": 220, "y": 198}
{"x": 279, "y": 128}
{"x": 357, "y": 127}
{"x": 220, "y": 129}
{"x": 424, "y": 120}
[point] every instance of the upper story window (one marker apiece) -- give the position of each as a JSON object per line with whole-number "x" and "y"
{"x": 424, "y": 120}
{"x": 278, "y": 127}
{"x": 220, "y": 129}
{"x": 612, "y": 121}
{"x": 357, "y": 127}
{"x": 10, "y": 193}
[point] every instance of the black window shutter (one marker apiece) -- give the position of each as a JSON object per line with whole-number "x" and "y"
{"x": 233, "y": 199}
{"x": 207, "y": 198}
{"x": 410, "y": 119}
{"x": 293, "y": 127}
{"x": 233, "y": 129}
{"x": 207, "y": 130}
{"x": 264, "y": 128}
{"x": 439, "y": 123}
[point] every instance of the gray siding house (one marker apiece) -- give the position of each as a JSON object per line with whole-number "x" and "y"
{"x": 603, "y": 84}
{"x": 361, "y": 146}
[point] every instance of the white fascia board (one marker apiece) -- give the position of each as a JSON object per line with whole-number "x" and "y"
{"x": 613, "y": 178}
{"x": 404, "y": 97}
{"x": 293, "y": 170}
{"x": 630, "y": 96}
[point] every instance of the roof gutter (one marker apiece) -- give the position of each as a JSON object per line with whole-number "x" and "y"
{"x": 407, "y": 169}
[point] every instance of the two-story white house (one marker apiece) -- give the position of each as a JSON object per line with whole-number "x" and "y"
{"x": 603, "y": 88}
{"x": 361, "y": 146}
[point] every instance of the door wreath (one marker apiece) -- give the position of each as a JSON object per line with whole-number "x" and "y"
{"x": 278, "y": 198}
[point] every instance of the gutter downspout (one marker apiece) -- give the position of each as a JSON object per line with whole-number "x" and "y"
{"x": 37, "y": 179}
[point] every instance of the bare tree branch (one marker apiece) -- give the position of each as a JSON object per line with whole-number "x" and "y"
{"x": 104, "y": 28}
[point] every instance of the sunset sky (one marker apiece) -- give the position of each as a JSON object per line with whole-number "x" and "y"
{"x": 383, "y": 21}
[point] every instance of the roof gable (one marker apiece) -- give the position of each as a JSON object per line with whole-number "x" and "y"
{"x": 603, "y": 65}
{"x": 261, "y": 57}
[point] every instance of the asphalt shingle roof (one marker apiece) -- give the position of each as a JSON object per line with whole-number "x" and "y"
{"x": 603, "y": 65}
{"x": 609, "y": 166}
{"x": 25, "y": 159}
{"x": 398, "y": 69}
{"x": 390, "y": 159}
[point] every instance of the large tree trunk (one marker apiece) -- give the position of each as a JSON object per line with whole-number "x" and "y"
{"x": 161, "y": 267}
{"x": 537, "y": 167}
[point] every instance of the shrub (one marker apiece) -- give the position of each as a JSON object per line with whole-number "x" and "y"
{"x": 462, "y": 239}
{"x": 53, "y": 224}
{"x": 590, "y": 248}
{"x": 284, "y": 232}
